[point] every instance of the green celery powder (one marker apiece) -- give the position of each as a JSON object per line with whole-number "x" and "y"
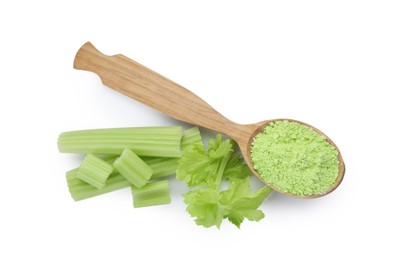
{"x": 295, "y": 159}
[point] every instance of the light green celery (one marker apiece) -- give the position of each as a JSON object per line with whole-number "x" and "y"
{"x": 144, "y": 141}
{"x": 191, "y": 137}
{"x": 221, "y": 169}
{"x": 154, "y": 193}
{"x": 80, "y": 190}
{"x": 161, "y": 166}
{"x": 94, "y": 171}
{"x": 135, "y": 170}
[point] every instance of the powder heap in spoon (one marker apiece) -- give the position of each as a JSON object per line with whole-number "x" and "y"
{"x": 295, "y": 159}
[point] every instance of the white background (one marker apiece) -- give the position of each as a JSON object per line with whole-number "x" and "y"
{"x": 334, "y": 64}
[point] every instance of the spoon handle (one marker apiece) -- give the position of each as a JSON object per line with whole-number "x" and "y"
{"x": 146, "y": 86}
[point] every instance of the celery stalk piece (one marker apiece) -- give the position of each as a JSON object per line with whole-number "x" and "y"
{"x": 135, "y": 170}
{"x": 161, "y": 166}
{"x": 153, "y": 193}
{"x": 191, "y": 137}
{"x": 144, "y": 141}
{"x": 94, "y": 171}
{"x": 80, "y": 190}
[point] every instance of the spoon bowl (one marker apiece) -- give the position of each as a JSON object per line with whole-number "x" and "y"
{"x": 246, "y": 151}
{"x": 146, "y": 86}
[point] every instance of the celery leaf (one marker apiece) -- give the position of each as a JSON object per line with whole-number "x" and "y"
{"x": 199, "y": 167}
{"x": 204, "y": 205}
{"x": 203, "y": 169}
{"x": 210, "y": 207}
{"x": 247, "y": 207}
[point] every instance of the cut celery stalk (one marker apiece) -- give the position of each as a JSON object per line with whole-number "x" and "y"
{"x": 154, "y": 193}
{"x": 161, "y": 166}
{"x": 145, "y": 141}
{"x": 135, "y": 170}
{"x": 191, "y": 137}
{"x": 94, "y": 171}
{"x": 80, "y": 190}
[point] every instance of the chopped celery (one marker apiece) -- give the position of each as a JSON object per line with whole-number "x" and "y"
{"x": 190, "y": 138}
{"x": 167, "y": 166}
{"x": 80, "y": 190}
{"x": 154, "y": 193}
{"x": 161, "y": 166}
{"x": 144, "y": 141}
{"x": 135, "y": 170}
{"x": 94, "y": 171}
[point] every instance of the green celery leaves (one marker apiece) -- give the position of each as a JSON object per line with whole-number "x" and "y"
{"x": 204, "y": 205}
{"x": 245, "y": 206}
{"x": 203, "y": 169}
{"x": 210, "y": 207}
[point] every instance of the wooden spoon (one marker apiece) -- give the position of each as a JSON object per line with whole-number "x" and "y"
{"x": 138, "y": 82}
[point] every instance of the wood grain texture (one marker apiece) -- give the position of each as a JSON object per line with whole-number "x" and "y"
{"x": 146, "y": 86}
{"x": 138, "y": 82}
